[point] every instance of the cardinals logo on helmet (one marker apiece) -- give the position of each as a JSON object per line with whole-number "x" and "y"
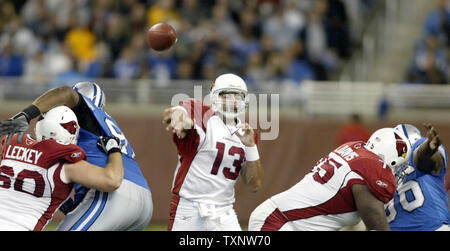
{"x": 402, "y": 148}
{"x": 70, "y": 126}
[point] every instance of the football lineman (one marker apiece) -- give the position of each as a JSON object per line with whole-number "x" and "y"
{"x": 214, "y": 149}
{"x": 130, "y": 207}
{"x": 351, "y": 183}
{"x": 420, "y": 202}
{"x": 37, "y": 176}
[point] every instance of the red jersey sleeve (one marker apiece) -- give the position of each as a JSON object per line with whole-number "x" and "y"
{"x": 198, "y": 112}
{"x": 377, "y": 177}
{"x": 56, "y": 152}
{"x": 26, "y": 141}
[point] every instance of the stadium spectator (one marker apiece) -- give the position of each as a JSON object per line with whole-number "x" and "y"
{"x": 81, "y": 40}
{"x": 206, "y": 30}
{"x": 431, "y": 60}
{"x": 353, "y": 131}
{"x": 162, "y": 11}
{"x": 127, "y": 66}
{"x": 11, "y": 63}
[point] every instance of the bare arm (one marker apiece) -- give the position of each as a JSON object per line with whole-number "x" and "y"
{"x": 253, "y": 175}
{"x": 370, "y": 209}
{"x": 427, "y": 158}
{"x": 63, "y": 95}
{"x": 105, "y": 179}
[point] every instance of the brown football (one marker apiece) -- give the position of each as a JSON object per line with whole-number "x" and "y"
{"x": 161, "y": 36}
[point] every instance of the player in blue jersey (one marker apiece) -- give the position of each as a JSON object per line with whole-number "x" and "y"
{"x": 420, "y": 201}
{"x": 130, "y": 207}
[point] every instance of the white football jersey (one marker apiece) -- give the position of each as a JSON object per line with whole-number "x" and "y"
{"x": 210, "y": 158}
{"x": 31, "y": 189}
{"x": 323, "y": 199}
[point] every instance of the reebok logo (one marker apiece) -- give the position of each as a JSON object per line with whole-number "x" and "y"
{"x": 76, "y": 155}
{"x": 381, "y": 184}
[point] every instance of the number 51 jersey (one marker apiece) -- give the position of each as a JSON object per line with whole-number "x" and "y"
{"x": 31, "y": 188}
{"x": 323, "y": 199}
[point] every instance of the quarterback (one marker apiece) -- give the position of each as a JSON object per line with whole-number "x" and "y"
{"x": 214, "y": 149}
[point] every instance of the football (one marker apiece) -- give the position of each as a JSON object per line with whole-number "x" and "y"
{"x": 161, "y": 36}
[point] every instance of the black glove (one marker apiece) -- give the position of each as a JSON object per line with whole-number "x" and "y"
{"x": 109, "y": 144}
{"x": 16, "y": 124}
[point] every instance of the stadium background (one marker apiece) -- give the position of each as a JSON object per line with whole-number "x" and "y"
{"x": 386, "y": 60}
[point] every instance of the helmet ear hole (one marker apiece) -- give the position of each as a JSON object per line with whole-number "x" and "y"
{"x": 393, "y": 163}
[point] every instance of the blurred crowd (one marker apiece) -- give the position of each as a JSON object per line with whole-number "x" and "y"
{"x": 431, "y": 61}
{"x": 72, "y": 40}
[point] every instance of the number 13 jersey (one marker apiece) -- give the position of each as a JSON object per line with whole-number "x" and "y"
{"x": 210, "y": 157}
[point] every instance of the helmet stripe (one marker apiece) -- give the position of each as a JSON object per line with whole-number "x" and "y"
{"x": 404, "y": 131}
{"x": 95, "y": 98}
{"x": 101, "y": 97}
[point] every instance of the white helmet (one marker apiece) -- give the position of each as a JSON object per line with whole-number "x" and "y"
{"x": 92, "y": 91}
{"x": 411, "y": 132}
{"x": 60, "y": 124}
{"x": 394, "y": 148}
{"x": 228, "y": 83}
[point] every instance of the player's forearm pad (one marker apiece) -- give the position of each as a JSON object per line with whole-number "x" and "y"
{"x": 30, "y": 112}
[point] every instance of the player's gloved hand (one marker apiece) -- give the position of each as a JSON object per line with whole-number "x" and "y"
{"x": 17, "y": 124}
{"x": 108, "y": 144}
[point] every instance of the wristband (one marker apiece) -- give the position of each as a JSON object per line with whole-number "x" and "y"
{"x": 251, "y": 153}
{"x": 31, "y": 112}
{"x": 114, "y": 150}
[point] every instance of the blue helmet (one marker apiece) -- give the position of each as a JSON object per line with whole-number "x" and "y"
{"x": 92, "y": 91}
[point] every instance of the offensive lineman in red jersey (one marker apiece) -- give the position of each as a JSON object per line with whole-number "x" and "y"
{"x": 36, "y": 176}
{"x": 352, "y": 183}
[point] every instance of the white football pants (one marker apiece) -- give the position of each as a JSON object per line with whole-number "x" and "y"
{"x": 186, "y": 215}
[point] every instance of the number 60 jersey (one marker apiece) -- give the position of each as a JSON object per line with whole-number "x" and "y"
{"x": 31, "y": 188}
{"x": 323, "y": 199}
